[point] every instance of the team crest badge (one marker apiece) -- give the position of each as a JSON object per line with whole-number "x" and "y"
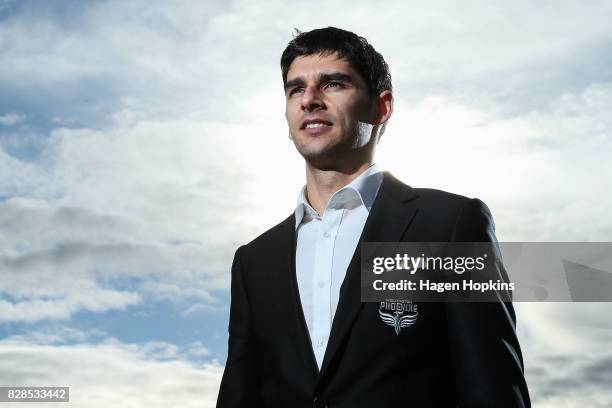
{"x": 398, "y": 314}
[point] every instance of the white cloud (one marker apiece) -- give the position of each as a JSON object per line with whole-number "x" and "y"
{"x": 203, "y": 308}
{"x": 198, "y": 350}
{"x": 566, "y": 352}
{"x": 542, "y": 173}
{"x": 63, "y": 306}
{"x": 11, "y": 118}
{"x": 57, "y": 335}
{"x": 141, "y": 201}
{"x": 18, "y": 176}
{"x": 112, "y": 373}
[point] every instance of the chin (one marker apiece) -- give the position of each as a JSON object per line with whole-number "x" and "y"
{"x": 316, "y": 148}
{"x": 321, "y": 157}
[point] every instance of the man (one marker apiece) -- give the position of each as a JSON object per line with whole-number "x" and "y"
{"x": 299, "y": 334}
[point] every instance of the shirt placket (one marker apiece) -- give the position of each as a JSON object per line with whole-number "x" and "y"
{"x": 322, "y": 305}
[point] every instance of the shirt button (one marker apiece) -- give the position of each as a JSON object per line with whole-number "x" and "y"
{"x": 321, "y": 284}
{"x": 326, "y": 234}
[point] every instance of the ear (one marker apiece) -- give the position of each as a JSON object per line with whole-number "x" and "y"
{"x": 385, "y": 107}
{"x": 384, "y": 111}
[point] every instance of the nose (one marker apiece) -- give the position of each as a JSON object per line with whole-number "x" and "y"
{"x": 311, "y": 99}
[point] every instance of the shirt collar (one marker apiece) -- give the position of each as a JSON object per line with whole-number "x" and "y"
{"x": 364, "y": 188}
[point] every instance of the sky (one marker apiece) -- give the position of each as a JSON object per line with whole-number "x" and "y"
{"x": 141, "y": 142}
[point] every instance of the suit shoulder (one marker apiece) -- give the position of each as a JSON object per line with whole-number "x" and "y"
{"x": 271, "y": 237}
{"x": 444, "y": 202}
{"x": 454, "y": 217}
{"x": 440, "y": 197}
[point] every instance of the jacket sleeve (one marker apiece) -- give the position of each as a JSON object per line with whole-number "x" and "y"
{"x": 240, "y": 386}
{"x": 485, "y": 352}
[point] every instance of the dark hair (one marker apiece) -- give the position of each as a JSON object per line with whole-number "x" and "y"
{"x": 362, "y": 57}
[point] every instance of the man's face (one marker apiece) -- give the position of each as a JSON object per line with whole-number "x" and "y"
{"x": 328, "y": 109}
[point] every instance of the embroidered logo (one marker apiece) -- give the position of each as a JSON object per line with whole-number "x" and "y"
{"x": 398, "y": 314}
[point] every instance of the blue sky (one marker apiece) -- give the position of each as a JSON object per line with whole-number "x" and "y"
{"x": 142, "y": 142}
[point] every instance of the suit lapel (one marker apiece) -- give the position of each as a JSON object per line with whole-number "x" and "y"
{"x": 389, "y": 218}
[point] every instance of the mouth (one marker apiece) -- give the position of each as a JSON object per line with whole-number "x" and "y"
{"x": 315, "y": 124}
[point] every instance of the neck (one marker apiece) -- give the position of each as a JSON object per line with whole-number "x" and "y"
{"x": 321, "y": 184}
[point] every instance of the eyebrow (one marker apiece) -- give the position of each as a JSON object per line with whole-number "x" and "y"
{"x": 322, "y": 77}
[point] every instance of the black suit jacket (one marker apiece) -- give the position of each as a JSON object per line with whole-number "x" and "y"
{"x": 456, "y": 354}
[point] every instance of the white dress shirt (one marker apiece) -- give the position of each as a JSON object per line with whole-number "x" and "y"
{"x": 325, "y": 246}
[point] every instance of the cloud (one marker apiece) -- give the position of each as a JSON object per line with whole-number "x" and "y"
{"x": 63, "y": 307}
{"x": 204, "y": 308}
{"x": 137, "y": 204}
{"x": 110, "y": 373}
{"x": 18, "y": 176}
{"x": 57, "y": 335}
{"x": 107, "y": 57}
{"x": 11, "y": 118}
{"x": 570, "y": 381}
{"x": 566, "y": 353}
{"x": 541, "y": 173}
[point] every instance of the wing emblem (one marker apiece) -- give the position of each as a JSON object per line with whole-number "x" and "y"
{"x": 398, "y": 320}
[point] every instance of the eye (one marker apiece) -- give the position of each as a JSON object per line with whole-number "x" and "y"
{"x": 333, "y": 84}
{"x": 294, "y": 91}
